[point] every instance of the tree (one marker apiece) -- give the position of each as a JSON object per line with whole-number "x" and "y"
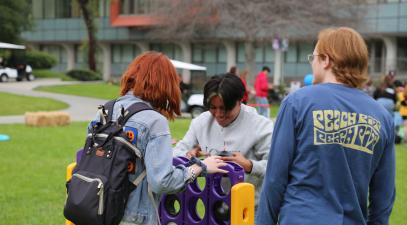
{"x": 88, "y": 13}
{"x": 13, "y": 20}
{"x": 253, "y": 22}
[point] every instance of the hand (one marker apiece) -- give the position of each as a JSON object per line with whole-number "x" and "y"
{"x": 213, "y": 163}
{"x": 238, "y": 158}
{"x": 196, "y": 152}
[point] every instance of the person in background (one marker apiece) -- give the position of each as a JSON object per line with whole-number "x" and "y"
{"x": 332, "y": 157}
{"x": 399, "y": 109}
{"x": 229, "y": 128}
{"x": 151, "y": 78}
{"x": 234, "y": 70}
{"x": 369, "y": 88}
{"x": 262, "y": 87}
{"x": 402, "y": 99}
{"x": 243, "y": 78}
{"x": 185, "y": 88}
{"x": 385, "y": 94}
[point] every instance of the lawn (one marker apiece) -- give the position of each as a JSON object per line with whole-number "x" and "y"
{"x": 33, "y": 166}
{"x": 12, "y": 104}
{"x": 96, "y": 90}
{"x": 44, "y": 73}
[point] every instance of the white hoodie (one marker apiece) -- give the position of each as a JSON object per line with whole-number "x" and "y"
{"x": 250, "y": 134}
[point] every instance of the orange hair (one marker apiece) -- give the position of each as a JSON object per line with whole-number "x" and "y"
{"x": 153, "y": 78}
{"x": 348, "y": 53}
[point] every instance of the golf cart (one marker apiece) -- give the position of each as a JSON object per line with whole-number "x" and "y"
{"x": 15, "y": 66}
{"x": 192, "y": 103}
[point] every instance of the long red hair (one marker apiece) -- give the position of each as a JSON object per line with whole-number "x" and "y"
{"x": 152, "y": 77}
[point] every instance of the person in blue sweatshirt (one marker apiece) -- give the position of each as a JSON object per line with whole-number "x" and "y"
{"x": 332, "y": 157}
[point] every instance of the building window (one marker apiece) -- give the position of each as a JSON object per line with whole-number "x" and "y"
{"x": 208, "y": 53}
{"x": 264, "y": 54}
{"x": 259, "y": 52}
{"x": 269, "y": 53}
{"x": 197, "y": 54}
{"x": 402, "y": 54}
{"x": 37, "y": 9}
{"x": 172, "y": 51}
{"x": 240, "y": 53}
{"x": 116, "y": 54}
{"x": 104, "y": 8}
{"x": 222, "y": 54}
{"x": 304, "y": 50}
{"x": 56, "y": 51}
{"x": 291, "y": 54}
{"x": 124, "y": 53}
{"x": 49, "y": 9}
{"x": 79, "y": 54}
{"x": 135, "y": 7}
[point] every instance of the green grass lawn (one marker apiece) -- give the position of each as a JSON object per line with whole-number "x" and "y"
{"x": 33, "y": 166}
{"x": 12, "y": 104}
{"x": 274, "y": 110}
{"x": 96, "y": 90}
{"x": 44, "y": 73}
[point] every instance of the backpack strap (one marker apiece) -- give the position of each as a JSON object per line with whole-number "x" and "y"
{"x": 139, "y": 178}
{"x": 104, "y": 116}
{"x": 131, "y": 110}
{"x": 109, "y": 107}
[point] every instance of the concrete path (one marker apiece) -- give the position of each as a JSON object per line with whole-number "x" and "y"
{"x": 80, "y": 108}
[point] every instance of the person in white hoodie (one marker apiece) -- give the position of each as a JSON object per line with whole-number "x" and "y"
{"x": 230, "y": 129}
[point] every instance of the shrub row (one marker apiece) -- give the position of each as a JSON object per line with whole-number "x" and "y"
{"x": 83, "y": 75}
{"x": 40, "y": 60}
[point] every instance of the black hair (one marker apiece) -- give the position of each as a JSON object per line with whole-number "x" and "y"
{"x": 228, "y": 86}
{"x": 233, "y": 70}
{"x": 266, "y": 68}
{"x": 398, "y": 83}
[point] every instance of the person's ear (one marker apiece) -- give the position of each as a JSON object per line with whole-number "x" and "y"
{"x": 326, "y": 62}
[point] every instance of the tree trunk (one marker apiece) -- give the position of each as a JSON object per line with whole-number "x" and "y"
{"x": 250, "y": 62}
{"x": 90, "y": 27}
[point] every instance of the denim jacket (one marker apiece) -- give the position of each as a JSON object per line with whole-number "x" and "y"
{"x": 154, "y": 141}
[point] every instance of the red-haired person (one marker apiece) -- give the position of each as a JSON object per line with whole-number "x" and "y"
{"x": 152, "y": 79}
{"x": 332, "y": 157}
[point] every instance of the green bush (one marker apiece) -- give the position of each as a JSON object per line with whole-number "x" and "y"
{"x": 83, "y": 75}
{"x": 40, "y": 60}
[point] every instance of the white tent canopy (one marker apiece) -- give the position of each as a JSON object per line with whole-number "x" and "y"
{"x": 11, "y": 46}
{"x": 187, "y": 66}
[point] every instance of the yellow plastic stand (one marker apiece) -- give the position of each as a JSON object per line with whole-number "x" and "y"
{"x": 69, "y": 170}
{"x": 242, "y": 204}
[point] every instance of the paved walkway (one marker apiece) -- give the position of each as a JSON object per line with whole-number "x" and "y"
{"x": 80, "y": 108}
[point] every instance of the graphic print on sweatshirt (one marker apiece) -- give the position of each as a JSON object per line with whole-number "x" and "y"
{"x": 352, "y": 130}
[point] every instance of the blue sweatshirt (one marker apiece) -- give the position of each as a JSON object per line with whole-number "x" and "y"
{"x": 332, "y": 149}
